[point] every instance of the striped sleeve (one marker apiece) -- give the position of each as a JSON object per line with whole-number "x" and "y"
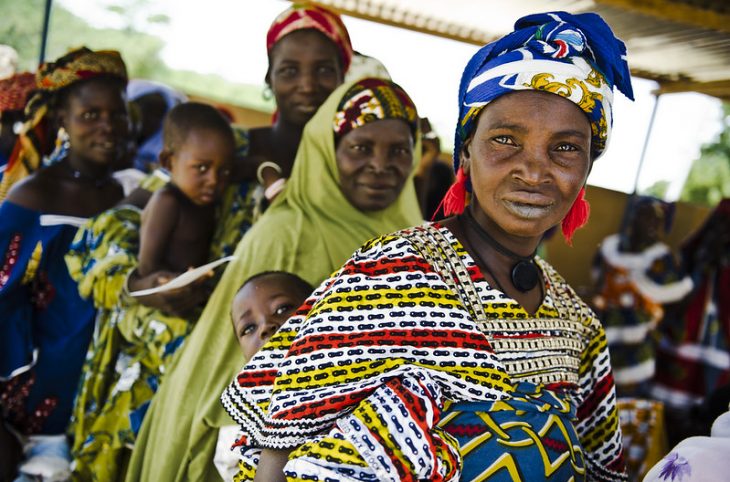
{"x": 598, "y": 423}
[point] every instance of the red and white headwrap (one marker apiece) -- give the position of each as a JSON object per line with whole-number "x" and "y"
{"x": 306, "y": 16}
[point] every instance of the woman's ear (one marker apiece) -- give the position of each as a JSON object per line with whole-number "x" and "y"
{"x": 465, "y": 156}
{"x": 60, "y": 118}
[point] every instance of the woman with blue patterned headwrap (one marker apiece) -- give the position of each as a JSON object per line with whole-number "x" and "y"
{"x": 450, "y": 351}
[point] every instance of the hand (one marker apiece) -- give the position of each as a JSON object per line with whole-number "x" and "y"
{"x": 178, "y": 302}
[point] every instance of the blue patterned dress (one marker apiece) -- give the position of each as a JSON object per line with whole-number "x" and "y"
{"x": 45, "y": 326}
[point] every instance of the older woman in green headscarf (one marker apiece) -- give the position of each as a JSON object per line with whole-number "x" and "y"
{"x": 351, "y": 181}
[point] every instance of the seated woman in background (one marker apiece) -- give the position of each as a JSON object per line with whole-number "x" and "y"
{"x": 450, "y": 351}
{"x": 45, "y": 326}
{"x": 137, "y": 338}
{"x": 351, "y": 181}
{"x": 177, "y": 229}
{"x": 636, "y": 274}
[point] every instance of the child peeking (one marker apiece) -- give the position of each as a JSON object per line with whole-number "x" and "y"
{"x": 262, "y": 304}
{"x": 179, "y": 220}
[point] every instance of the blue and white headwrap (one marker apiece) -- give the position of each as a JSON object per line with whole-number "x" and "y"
{"x": 574, "y": 56}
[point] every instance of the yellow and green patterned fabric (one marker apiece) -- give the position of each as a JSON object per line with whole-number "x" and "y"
{"x": 133, "y": 345}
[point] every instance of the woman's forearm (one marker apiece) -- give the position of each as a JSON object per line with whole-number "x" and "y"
{"x": 271, "y": 465}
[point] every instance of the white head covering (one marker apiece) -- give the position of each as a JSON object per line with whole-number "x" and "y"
{"x": 8, "y": 61}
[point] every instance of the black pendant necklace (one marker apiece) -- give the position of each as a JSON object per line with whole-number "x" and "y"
{"x": 524, "y": 274}
{"x": 80, "y": 176}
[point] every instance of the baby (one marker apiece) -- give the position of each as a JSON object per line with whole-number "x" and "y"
{"x": 262, "y": 304}
{"x": 179, "y": 220}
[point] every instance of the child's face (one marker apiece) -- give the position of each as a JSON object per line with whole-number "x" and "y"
{"x": 259, "y": 309}
{"x": 201, "y": 166}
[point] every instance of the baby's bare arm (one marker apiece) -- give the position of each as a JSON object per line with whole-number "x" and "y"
{"x": 159, "y": 220}
{"x": 271, "y": 465}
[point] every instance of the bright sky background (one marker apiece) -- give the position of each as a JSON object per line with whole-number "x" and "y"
{"x": 227, "y": 37}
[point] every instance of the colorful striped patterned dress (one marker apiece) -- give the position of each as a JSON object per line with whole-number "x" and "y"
{"x": 407, "y": 365}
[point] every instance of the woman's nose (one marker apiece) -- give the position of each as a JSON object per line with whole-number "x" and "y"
{"x": 106, "y": 122}
{"x": 307, "y": 82}
{"x": 533, "y": 166}
{"x": 380, "y": 160}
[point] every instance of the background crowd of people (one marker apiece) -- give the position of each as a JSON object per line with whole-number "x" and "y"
{"x": 454, "y": 332}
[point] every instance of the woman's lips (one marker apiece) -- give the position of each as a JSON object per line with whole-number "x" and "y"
{"x": 529, "y": 197}
{"x": 108, "y": 145}
{"x": 528, "y": 205}
{"x": 378, "y": 186}
{"x": 307, "y": 108}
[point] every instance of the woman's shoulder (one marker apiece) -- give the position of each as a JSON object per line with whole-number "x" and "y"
{"x": 399, "y": 251}
{"x": 397, "y": 242}
{"x": 35, "y": 192}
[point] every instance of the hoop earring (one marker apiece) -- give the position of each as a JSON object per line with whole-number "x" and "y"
{"x": 63, "y": 141}
{"x": 267, "y": 93}
{"x": 60, "y": 150}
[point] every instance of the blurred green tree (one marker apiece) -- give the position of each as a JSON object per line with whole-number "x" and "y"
{"x": 709, "y": 178}
{"x": 23, "y": 23}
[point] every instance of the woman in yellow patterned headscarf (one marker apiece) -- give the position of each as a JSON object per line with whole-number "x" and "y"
{"x": 37, "y": 137}
{"x": 46, "y": 326}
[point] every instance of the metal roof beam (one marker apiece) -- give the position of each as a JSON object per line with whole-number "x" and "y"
{"x": 677, "y": 11}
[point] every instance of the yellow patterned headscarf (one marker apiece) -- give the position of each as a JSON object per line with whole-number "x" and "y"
{"x": 373, "y": 99}
{"x": 52, "y": 77}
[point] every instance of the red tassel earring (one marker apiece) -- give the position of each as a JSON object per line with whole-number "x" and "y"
{"x": 576, "y": 217}
{"x": 454, "y": 201}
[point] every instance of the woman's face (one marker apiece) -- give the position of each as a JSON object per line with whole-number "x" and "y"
{"x": 374, "y": 162}
{"x": 304, "y": 70}
{"x": 646, "y": 227}
{"x": 95, "y": 118}
{"x": 527, "y": 159}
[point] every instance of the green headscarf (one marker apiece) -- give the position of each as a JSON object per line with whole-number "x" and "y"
{"x": 310, "y": 230}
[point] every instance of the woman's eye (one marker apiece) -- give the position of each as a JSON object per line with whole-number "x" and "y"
{"x": 202, "y": 168}
{"x": 283, "y": 309}
{"x": 89, "y": 115}
{"x": 504, "y": 140}
{"x": 567, "y": 148}
{"x": 402, "y": 151}
{"x": 361, "y": 148}
{"x": 287, "y": 71}
{"x": 326, "y": 69}
{"x": 225, "y": 172}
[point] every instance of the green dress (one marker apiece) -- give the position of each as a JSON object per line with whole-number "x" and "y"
{"x": 310, "y": 230}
